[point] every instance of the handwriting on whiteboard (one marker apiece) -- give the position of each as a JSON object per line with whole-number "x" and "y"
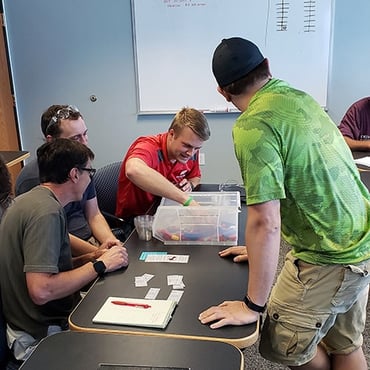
{"x": 184, "y": 3}
{"x": 283, "y": 8}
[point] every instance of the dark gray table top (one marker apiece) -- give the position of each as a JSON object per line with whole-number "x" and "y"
{"x": 12, "y": 157}
{"x": 85, "y": 351}
{"x": 209, "y": 280}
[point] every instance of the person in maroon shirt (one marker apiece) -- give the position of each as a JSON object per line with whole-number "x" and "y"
{"x": 355, "y": 125}
{"x": 162, "y": 165}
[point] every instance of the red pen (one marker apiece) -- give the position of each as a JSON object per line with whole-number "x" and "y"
{"x": 123, "y": 303}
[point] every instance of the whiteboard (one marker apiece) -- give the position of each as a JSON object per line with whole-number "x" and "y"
{"x": 174, "y": 41}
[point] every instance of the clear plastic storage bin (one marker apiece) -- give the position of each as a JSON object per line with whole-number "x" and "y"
{"x": 215, "y": 222}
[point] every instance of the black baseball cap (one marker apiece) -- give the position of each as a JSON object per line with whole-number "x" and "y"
{"x": 233, "y": 59}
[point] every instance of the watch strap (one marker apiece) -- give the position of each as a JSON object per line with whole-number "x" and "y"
{"x": 253, "y": 306}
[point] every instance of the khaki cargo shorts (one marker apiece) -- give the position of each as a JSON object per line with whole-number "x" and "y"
{"x": 310, "y": 304}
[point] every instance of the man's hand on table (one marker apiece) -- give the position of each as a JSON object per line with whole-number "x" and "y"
{"x": 228, "y": 313}
{"x": 239, "y": 251}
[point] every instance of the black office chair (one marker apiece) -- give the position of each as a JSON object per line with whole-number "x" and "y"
{"x": 106, "y": 185}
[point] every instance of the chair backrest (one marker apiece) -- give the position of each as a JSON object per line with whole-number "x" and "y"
{"x": 106, "y": 184}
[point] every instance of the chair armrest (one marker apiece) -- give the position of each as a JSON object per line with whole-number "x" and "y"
{"x": 113, "y": 220}
{"x": 120, "y": 227}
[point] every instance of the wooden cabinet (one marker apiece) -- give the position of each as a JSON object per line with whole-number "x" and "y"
{"x": 9, "y": 138}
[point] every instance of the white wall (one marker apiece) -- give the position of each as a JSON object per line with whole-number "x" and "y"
{"x": 350, "y": 73}
{"x": 62, "y": 52}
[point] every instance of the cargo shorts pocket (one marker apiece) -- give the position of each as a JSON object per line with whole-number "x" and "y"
{"x": 355, "y": 279}
{"x": 293, "y": 333}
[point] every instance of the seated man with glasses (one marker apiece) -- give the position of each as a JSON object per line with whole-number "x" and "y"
{"x": 39, "y": 278}
{"x": 86, "y": 224}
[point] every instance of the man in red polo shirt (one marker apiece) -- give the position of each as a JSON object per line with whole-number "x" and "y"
{"x": 162, "y": 165}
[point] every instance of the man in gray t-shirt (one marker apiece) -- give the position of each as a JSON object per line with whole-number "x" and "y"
{"x": 39, "y": 278}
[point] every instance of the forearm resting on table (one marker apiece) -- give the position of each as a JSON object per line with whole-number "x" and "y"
{"x": 85, "y": 258}
{"x": 44, "y": 287}
{"x": 80, "y": 246}
{"x": 361, "y": 145}
{"x": 100, "y": 228}
{"x": 97, "y": 222}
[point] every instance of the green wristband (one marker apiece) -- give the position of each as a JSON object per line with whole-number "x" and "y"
{"x": 188, "y": 201}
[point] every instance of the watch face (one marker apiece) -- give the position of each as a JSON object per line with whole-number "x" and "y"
{"x": 99, "y": 267}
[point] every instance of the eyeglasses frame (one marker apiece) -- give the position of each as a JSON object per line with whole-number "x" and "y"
{"x": 91, "y": 171}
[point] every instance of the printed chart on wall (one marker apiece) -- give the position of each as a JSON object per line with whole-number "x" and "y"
{"x": 175, "y": 39}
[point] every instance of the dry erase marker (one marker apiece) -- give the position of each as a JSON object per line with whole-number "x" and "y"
{"x": 138, "y": 305}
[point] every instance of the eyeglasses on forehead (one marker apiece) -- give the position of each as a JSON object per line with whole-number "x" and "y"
{"x": 62, "y": 113}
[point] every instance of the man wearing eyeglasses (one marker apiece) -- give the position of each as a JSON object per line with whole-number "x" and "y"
{"x": 39, "y": 278}
{"x": 86, "y": 225}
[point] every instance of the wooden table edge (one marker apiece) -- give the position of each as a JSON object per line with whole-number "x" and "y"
{"x": 239, "y": 343}
{"x": 18, "y": 160}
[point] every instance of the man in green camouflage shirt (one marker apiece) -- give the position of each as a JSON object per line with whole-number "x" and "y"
{"x": 301, "y": 184}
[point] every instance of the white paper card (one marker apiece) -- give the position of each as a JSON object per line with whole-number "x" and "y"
{"x": 172, "y": 258}
{"x": 364, "y": 161}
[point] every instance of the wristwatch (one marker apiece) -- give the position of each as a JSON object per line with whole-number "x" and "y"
{"x": 253, "y": 306}
{"x": 99, "y": 267}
